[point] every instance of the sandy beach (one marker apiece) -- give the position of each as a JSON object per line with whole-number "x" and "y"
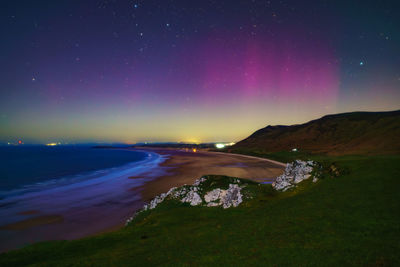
{"x": 104, "y": 204}
{"x": 184, "y": 167}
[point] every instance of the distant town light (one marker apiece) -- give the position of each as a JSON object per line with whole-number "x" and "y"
{"x": 51, "y": 144}
{"x": 294, "y": 150}
{"x": 219, "y": 146}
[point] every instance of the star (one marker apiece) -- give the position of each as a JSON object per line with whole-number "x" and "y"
{"x": 33, "y": 79}
{"x": 361, "y": 63}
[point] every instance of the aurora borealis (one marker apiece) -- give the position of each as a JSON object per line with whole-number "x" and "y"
{"x": 200, "y": 71}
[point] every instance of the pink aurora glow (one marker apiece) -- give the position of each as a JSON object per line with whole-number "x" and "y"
{"x": 261, "y": 69}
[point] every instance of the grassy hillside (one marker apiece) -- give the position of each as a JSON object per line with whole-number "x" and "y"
{"x": 348, "y": 220}
{"x": 347, "y": 133}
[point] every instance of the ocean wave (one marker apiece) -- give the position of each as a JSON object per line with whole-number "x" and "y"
{"x": 152, "y": 160}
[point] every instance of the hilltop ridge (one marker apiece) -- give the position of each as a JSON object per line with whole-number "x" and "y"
{"x": 337, "y": 134}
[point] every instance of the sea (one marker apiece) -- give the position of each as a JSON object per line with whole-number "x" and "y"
{"x": 22, "y": 167}
{"x": 74, "y": 191}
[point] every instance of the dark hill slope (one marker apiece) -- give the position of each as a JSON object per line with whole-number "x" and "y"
{"x": 346, "y": 133}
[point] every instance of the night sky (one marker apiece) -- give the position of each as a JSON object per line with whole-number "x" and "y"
{"x": 190, "y": 70}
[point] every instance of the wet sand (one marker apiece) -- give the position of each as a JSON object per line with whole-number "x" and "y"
{"x": 32, "y": 222}
{"x": 102, "y": 207}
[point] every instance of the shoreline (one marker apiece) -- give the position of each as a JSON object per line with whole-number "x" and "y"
{"x": 184, "y": 167}
{"x": 253, "y": 157}
{"x": 104, "y": 204}
{"x": 94, "y": 204}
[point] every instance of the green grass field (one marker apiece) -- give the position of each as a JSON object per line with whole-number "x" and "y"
{"x": 353, "y": 219}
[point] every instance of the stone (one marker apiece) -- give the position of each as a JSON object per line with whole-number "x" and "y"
{"x": 233, "y": 197}
{"x": 193, "y": 198}
{"x": 199, "y": 181}
{"x": 171, "y": 191}
{"x": 212, "y": 195}
{"x": 213, "y": 204}
{"x": 230, "y": 197}
{"x": 295, "y": 173}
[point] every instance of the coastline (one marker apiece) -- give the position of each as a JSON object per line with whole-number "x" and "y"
{"x": 96, "y": 203}
{"x": 103, "y": 204}
{"x": 184, "y": 167}
{"x": 253, "y": 157}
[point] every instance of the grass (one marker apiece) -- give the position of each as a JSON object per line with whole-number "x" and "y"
{"x": 350, "y": 220}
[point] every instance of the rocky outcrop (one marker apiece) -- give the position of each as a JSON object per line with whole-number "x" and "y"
{"x": 213, "y": 195}
{"x": 197, "y": 194}
{"x": 226, "y": 192}
{"x": 199, "y": 181}
{"x": 231, "y": 197}
{"x": 193, "y": 198}
{"x": 295, "y": 172}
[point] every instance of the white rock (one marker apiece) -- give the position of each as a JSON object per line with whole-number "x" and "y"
{"x": 233, "y": 197}
{"x": 193, "y": 198}
{"x": 179, "y": 192}
{"x": 171, "y": 191}
{"x": 295, "y": 173}
{"x": 155, "y": 201}
{"x": 213, "y": 204}
{"x": 212, "y": 195}
{"x": 199, "y": 181}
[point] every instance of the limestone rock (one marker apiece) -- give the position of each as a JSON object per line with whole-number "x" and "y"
{"x": 194, "y": 195}
{"x": 212, "y": 195}
{"x": 193, "y": 198}
{"x": 233, "y": 197}
{"x": 199, "y": 181}
{"x": 295, "y": 172}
